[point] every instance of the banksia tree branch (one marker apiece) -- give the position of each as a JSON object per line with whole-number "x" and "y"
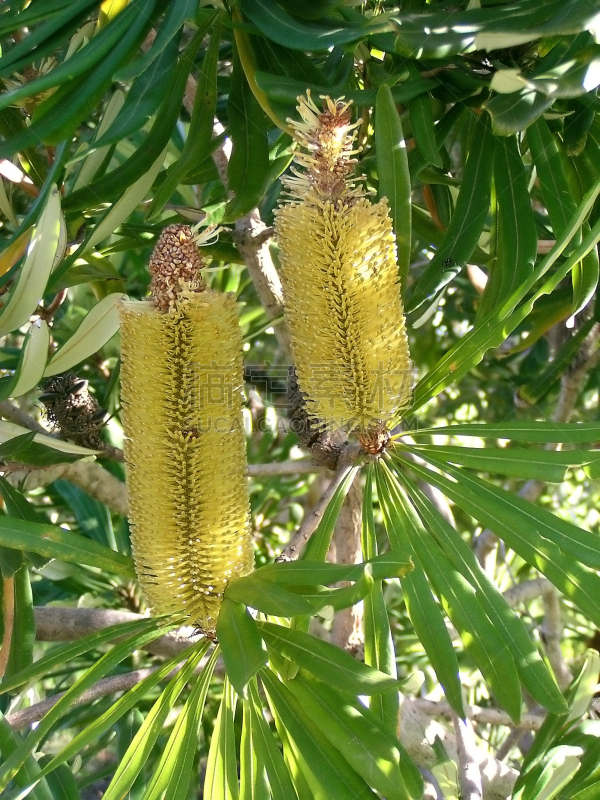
{"x": 338, "y": 264}
{"x": 181, "y": 384}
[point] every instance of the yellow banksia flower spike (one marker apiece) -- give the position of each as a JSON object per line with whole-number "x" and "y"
{"x": 340, "y": 278}
{"x": 181, "y": 379}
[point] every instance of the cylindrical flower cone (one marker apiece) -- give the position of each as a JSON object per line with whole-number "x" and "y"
{"x": 342, "y": 298}
{"x": 181, "y": 379}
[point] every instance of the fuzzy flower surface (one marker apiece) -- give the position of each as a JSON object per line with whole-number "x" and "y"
{"x": 338, "y": 264}
{"x": 181, "y": 380}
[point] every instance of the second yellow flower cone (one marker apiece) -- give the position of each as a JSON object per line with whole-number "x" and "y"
{"x": 343, "y": 306}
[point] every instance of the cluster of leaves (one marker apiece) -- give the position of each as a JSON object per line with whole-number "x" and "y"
{"x": 103, "y": 144}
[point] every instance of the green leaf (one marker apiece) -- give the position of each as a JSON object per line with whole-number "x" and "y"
{"x": 492, "y": 331}
{"x": 35, "y": 38}
{"x": 325, "y": 661}
{"x": 533, "y": 391}
{"x": 269, "y": 598}
{"x": 30, "y": 772}
{"x": 143, "y": 100}
{"x": 318, "y": 546}
{"x": 554, "y": 186}
{"x": 96, "y": 328}
{"x": 467, "y": 222}
{"x": 423, "y": 128}
{"x": 365, "y": 747}
{"x": 32, "y": 361}
{"x": 254, "y": 782}
{"x": 267, "y": 751}
{"x": 84, "y": 60}
{"x": 543, "y": 465}
{"x": 243, "y": 651}
{"x": 177, "y": 12}
{"x": 174, "y": 771}
{"x": 51, "y": 124}
{"x": 379, "y": 645}
{"x": 63, "y": 654}
{"x": 221, "y": 781}
{"x": 23, "y": 638}
{"x": 143, "y": 742}
{"x": 394, "y": 177}
{"x": 121, "y": 210}
{"x": 25, "y": 450}
{"x": 130, "y": 700}
{"x": 318, "y": 573}
{"x": 53, "y": 542}
{"x": 8, "y": 430}
{"x": 515, "y": 112}
{"x": 285, "y": 90}
{"x": 61, "y": 782}
{"x": 521, "y": 431}
{"x": 112, "y": 185}
{"x": 271, "y": 19}
{"x": 326, "y": 771}
{"x": 533, "y": 672}
{"x": 423, "y": 611}
{"x": 148, "y": 630}
{"x": 248, "y": 172}
{"x": 577, "y": 542}
{"x": 198, "y": 139}
{"x": 525, "y": 529}
{"x": 31, "y": 283}
{"x": 479, "y": 636}
{"x": 585, "y": 277}
{"x": 516, "y": 236}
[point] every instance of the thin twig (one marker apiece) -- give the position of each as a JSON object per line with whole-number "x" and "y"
{"x": 483, "y": 716}
{"x": 102, "y": 485}
{"x": 120, "y": 683}
{"x": 15, "y": 414}
{"x": 311, "y": 521}
{"x": 431, "y": 779}
{"x": 469, "y": 774}
{"x": 300, "y": 467}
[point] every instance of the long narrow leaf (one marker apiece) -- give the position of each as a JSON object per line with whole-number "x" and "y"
{"x": 532, "y": 669}
{"x": 324, "y": 768}
{"x": 325, "y": 661}
{"x": 137, "y": 753}
{"x": 424, "y": 612}
{"x": 221, "y": 780}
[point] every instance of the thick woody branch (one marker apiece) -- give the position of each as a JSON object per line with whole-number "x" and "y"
{"x": 469, "y": 775}
{"x": 250, "y": 239}
{"x": 63, "y": 624}
{"x": 87, "y": 475}
{"x": 347, "y": 628}
{"x": 418, "y": 729}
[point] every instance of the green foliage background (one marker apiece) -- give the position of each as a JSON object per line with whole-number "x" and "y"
{"x": 480, "y": 124}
